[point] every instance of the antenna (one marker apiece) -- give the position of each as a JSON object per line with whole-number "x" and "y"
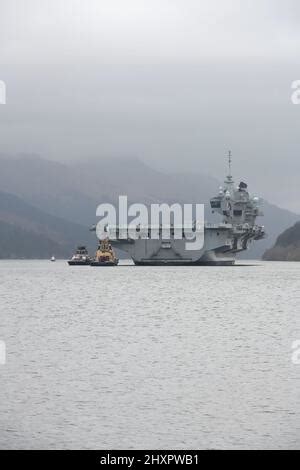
{"x": 229, "y": 163}
{"x": 229, "y": 180}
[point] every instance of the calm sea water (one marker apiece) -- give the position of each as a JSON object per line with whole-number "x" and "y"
{"x": 146, "y": 357}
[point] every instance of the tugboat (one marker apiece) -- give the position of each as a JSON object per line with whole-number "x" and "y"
{"x": 81, "y": 257}
{"x": 105, "y": 255}
{"x": 52, "y": 259}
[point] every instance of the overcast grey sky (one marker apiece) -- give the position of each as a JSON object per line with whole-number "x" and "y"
{"x": 173, "y": 82}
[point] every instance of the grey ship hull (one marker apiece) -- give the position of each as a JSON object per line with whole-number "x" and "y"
{"x": 223, "y": 262}
{"x": 222, "y": 242}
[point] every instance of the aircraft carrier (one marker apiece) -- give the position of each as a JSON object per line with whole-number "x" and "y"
{"x": 234, "y": 232}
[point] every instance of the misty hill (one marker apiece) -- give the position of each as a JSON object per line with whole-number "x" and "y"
{"x": 28, "y": 232}
{"x": 287, "y": 246}
{"x": 18, "y": 243}
{"x": 142, "y": 183}
{"x": 275, "y": 220}
{"x": 50, "y": 186}
{"x": 73, "y": 191}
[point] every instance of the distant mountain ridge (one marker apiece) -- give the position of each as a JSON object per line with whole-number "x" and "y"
{"x": 71, "y": 192}
{"x": 28, "y": 232}
{"x": 74, "y": 191}
{"x": 47, "y": 185}
{"x": 18, "y": 243}
{"x": 287, "y": 246}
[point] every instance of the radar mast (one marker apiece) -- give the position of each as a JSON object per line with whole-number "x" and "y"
{"x": 229, "y": 180}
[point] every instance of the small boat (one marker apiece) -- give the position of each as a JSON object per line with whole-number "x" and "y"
{"x": 105, "y": 255}
{"x": 52, "y": 258}
{"x": 80, "y": 258}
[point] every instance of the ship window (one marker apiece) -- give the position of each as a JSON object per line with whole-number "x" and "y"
{"x": 215, "y": 204}
{"x": 237, "y": 212}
